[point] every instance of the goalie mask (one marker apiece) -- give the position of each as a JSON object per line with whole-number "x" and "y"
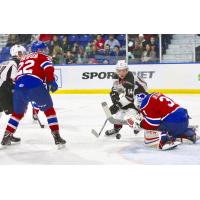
{"x": 138, "y": 100}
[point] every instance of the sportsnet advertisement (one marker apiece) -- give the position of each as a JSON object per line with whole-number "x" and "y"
{"x": 169, "y": 78}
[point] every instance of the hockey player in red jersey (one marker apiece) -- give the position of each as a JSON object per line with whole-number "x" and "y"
{"x": 35, "y": 70}
{"x": 163, "y": 114}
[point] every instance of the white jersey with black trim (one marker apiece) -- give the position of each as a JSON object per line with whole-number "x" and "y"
{"x": 5, "y": 67}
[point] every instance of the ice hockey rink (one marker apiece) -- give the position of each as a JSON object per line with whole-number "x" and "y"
{"x": 77, "y": 115}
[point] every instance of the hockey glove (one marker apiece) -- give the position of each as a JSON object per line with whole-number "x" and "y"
{"x": 115, "y": 108}
{"x": 114, "y": 97}
{"x": 52, "y": 86}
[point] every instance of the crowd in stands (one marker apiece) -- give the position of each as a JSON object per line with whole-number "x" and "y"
{"x": 77, "y": 48}
{"x": 143, "y": 48}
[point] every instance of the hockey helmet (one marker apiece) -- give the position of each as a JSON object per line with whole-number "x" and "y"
{"x": 16, "y": 50}
{"x": 121, "y": 64}
{"x": 38, "y": 46}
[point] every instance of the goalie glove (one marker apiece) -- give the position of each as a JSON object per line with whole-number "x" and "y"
{"x": 135, "y": 122}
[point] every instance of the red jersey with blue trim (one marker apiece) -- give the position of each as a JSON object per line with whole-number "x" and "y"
{"x": 155, "y": 108}
{"x": 37, "y": 65}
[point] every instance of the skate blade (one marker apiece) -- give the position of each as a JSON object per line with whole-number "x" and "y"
{"x": 111, "y": 136}
{"x": 10, "y": 145}
{"x": 15, "y": 143}
{"x": 95, "y": 133}
{"x": 60, "y": 146}
{"x": 170, "y": 146}
{"x": 2, "y": 147}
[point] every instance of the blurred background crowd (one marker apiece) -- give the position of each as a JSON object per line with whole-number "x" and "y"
{"x": 143, "y": 48}
{"x": 109, "y": 48}
{"x": 76, "y": 49}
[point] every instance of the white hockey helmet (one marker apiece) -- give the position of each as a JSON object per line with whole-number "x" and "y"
{"x": 14, "y": 51}
{"x": 121, "y": 64}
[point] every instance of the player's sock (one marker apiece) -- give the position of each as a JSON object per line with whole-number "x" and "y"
{"x": 13, "y": 122}
{"x": 52, "y": 119}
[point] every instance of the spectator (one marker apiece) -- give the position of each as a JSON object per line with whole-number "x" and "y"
{"x": 23, "y": 39}
{"x": 57, "y": 55}
{"x": 149, "y": 55}
{"x": 153, "y": 43}
{"x": 75, "y": 48}
{"x": 116, "y": 55}
{"x": 131, "y": 43}
{"x": 12, "y": 40}
{"x": 100, "y": 42}
{"x": 65, "y": 45}
{"x": 93, "y": 52}
{"x": 112, "y": 42}
{"x": 107, "y": 50}
{"x": 81, "y": 56}
{"x": 53, "y": 43}
{"x": 70, "y": 59}
{"x": 88, "y": 48}
{"x": 137, "y": 52}
{"x": 142, "y": 41}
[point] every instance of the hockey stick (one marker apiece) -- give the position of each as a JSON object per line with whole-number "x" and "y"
{"x": 37, "y": 118}
{"x": 98, "y": 134}
{"x": 109, "y": 116}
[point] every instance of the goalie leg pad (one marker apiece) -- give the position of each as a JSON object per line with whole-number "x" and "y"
{"x": 152, "y": 138}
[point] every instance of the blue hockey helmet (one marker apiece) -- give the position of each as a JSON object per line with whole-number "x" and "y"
{"x": 38, "y": 46}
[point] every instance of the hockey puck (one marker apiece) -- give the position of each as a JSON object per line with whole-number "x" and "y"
{"x": 42, "y": 126}
{"x": 118, "y": 136}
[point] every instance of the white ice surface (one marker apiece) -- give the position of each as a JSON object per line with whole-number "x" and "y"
{"x": 77, "y": 115}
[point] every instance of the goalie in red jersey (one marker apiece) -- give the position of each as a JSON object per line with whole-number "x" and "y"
{"x": 160, "y": 113}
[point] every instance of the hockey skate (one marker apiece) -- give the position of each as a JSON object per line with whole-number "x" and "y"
{"x": 191, "y": 137}
{"x": 58, "y": 140}
{"x": 15, "y": 139}
{"x": 168, "y": 145}
{"x": 8, "y": 139}
{"x": 112, "y": 132}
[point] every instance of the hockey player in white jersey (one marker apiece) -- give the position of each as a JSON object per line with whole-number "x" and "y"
{"x": 8, "y": 73}
{"x": 126, "y": 85}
